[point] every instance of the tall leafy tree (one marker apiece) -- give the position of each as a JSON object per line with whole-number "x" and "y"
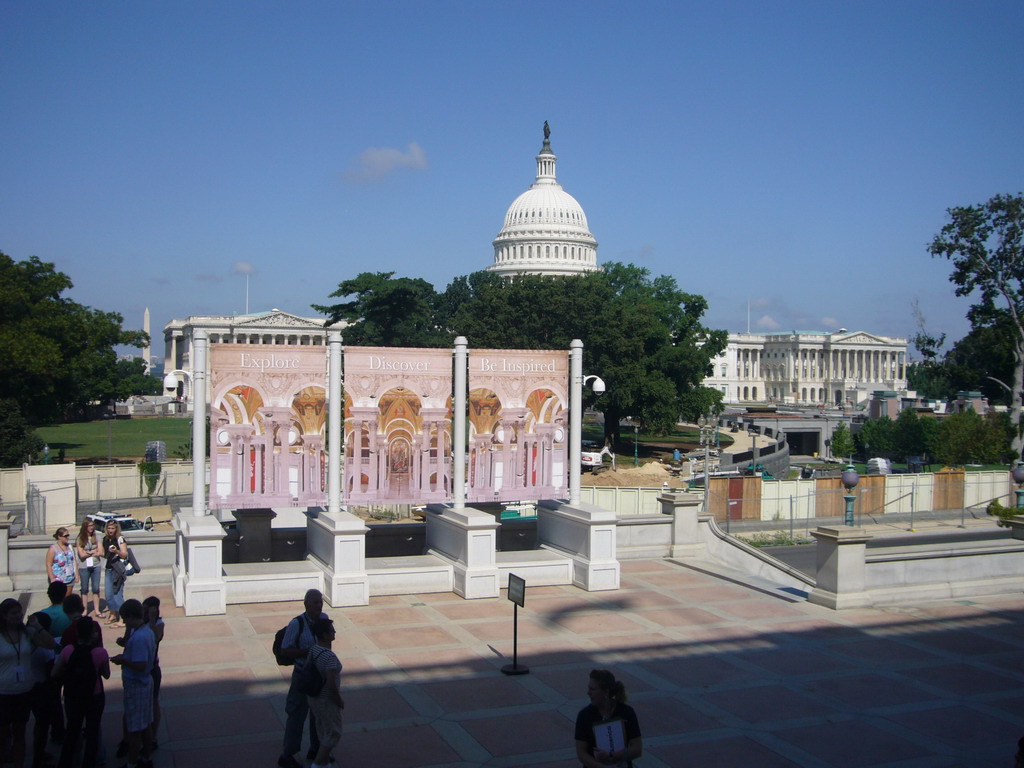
{"x": 968, "y": 438}
{"x": 877, "y": 438}
{"x": 18, "y": 442}
{"x": 386, "y": 311}
{"x": 56, "y": 355}
{"x": 984, "y": 243}
{"x": 842, "y": 442}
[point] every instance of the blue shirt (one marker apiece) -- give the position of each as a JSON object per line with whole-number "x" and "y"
{"x": 141, "y": 646}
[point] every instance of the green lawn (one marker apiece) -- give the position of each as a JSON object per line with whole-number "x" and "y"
{"x": 128, "y": 437}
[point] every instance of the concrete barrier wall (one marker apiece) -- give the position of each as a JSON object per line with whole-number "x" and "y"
{"x": 153, "y": 549}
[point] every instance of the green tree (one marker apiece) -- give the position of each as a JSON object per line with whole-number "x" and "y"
{"x": 18, "y": 442}
{"x": 131, "y": 379}
{"x": 56, "y": 355}
{"x": 967, "y": 438}
{"x": 984, "y": 243}
{"x": 842, "y": 442}
{"x": 386, "y": 311}
{"x": 909, "y": 434}
{"x": 700, "y": 401}
{"x": 877, "y": 437}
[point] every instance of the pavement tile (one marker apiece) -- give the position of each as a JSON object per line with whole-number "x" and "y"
{"x": 540, "y": 653}
{"x": 646, "y": 566}
{"x": 719, "y": 753}
{"x": 881, "y": 652}
{"x": 966, "y": 679}
{"x": 481, "y": 693}
{"x": 197, "y": 652}
{"x": 963, "y": 643}
{"x": 242, "y": 716}
{"x": 409, "y": 745}
{"x": 761, "y": 704}
{"x": 381, "y": 617}
{"x": 859, "y": 691}
{"x": 661, "y": 715}
{"x": 646, "y": 598}
{"x": 249, "y": 751}
{"x": 765, "y": 608}
{"x": 599, "y": 623}
{"x": 198, "y": 628}
{"x": 374, "y": 705}
{"x": 961, "y": 727}
{"x": 476, "y": 609}
{"x": 488, "y": 631}
{"x": 410, "y": 637}
{"x": 216, "y": 681}
{"x": 679, "y": 617}
{"x": 443, "y": 663}
{"x": 854, "y": 744}
{"x": 531, "y": 732}
{"x": 697, "y": 671}
{"x": 790, "y": 661}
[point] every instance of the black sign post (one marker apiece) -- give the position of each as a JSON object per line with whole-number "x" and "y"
{"x": 517, "y": 594}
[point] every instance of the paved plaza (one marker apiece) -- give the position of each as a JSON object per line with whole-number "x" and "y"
{"x": 720, "y": 675}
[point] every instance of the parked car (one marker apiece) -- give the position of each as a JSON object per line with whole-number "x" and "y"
{"x": 590, "y": 457}
{"x": 127, "y": 522}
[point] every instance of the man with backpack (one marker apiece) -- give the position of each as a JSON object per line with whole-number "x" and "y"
{"x": 295, "y": 645}
{"x": 81, "y": 667}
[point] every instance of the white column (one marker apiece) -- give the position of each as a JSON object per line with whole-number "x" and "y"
{"x": 575, "y": 417}
{"x": 334, "y": 422}
{"x": 458, "y": 426}
{"x": 199, "y": 347}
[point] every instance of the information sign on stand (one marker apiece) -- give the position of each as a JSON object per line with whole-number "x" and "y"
{"x": 517, "y": 594}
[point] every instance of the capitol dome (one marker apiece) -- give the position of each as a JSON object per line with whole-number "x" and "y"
{"x": 545, "y": 230}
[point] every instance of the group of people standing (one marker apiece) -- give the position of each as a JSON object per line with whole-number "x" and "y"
{"x": 69, "y": 562}
{"x": 53, "y": 665}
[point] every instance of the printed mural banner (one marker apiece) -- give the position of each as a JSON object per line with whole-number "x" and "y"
{"x": 268, "y": 410}
{"x": 518, "y": 424}
{"x": 398, "y": 425}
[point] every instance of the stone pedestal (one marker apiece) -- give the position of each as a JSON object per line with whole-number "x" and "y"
{"x": 467, "y": 538}
{"x": 685, "y": 509}
{"x": 586, "y": 533}
{"x": 254, "y": 534}
{"x": 338, "y": 542}
{"x": 841, "y": 576}
{"x": 1016, "y": 525}
{"x": 6, "y": 583}
{"x": 198, "y": 574}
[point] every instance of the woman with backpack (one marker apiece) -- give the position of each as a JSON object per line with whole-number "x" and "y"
{"x": 114, "y": 548}
{"x": 82, "y": 669}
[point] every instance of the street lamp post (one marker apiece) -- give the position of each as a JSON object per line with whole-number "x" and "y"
{"x": 109, "y": 416}
{"x": 850, "y": 479}
{"x": 636, "y": 442}
{"x": 708, "y": 426}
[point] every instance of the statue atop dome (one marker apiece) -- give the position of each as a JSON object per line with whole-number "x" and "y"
{"x": 547, "y": 131}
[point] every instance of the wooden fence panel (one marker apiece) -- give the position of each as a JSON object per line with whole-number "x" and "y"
{"x": 949, "y": 489}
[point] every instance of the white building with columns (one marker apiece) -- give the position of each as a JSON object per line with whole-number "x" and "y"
{"x": 809, "y": 367}
{"x": 273, "y": 327}
{"x": 545, "y": 230}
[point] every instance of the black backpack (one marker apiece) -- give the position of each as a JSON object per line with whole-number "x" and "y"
{"x": 282, "y": 660}
{"x": 80, "y": 674}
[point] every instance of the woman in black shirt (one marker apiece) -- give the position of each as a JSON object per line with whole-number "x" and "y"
{"x": 609, "y": 715}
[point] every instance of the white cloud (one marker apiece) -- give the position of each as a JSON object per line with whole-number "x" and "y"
{"x": 829, "y": 323}
{"x": 767, "y": 322}
{"x": 243, "y": 268}
{"x": 374, "y": 163}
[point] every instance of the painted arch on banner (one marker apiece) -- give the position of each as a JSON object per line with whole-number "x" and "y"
{"x": 518, "y": 424}
{"x": 267, "y": 420}
{"x": 398, "y": 425}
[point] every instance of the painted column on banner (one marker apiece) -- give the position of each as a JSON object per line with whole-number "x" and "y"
{"x": 334, "y": 422}
{"x": 199, "y": 350}
{"x": 267, "y": 420}
{"x": 518, "y": 431}
{"x": 459, "y": 424}
{"x": 398, "y": 425}
{"x": 576, "y": 428}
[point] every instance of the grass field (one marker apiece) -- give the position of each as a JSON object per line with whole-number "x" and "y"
{"x": 128, "y": 438}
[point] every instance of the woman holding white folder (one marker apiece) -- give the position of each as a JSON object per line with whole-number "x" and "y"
{"x": 607, "y": 730}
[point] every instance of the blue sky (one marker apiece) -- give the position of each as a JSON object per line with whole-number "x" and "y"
{"x": 799, "y": 155}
